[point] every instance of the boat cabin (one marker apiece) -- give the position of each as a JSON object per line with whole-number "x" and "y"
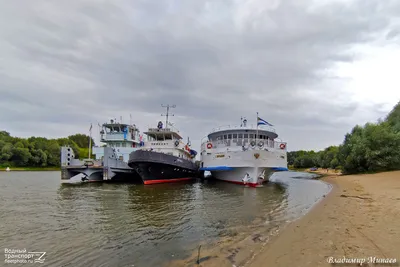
{"x": 241, "y": 137}
{"x": 124, "y": 138}
{"x": 167, "y": 140}
{"x": 119, "y": 134}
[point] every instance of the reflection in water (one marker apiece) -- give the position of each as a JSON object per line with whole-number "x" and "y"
{"x": 126, "y": 224}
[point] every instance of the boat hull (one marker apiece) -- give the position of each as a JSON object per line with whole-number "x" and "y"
{"x": 155, "y": 168}
{"x": 250, "y": 176}
{"x": 75, "y": 174}
{"x": 249, "y": 167}
{"x": 110, "y": 169}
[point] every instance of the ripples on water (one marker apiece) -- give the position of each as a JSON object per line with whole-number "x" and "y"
{"x": 125, "y": 225}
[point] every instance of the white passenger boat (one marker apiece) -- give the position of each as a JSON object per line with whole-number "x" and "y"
{"x": 242, "y": 154}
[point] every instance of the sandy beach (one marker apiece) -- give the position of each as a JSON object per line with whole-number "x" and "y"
{"x": 359, "y": 220}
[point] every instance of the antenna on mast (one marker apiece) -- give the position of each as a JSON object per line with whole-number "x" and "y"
{"x": 167, "y": 115}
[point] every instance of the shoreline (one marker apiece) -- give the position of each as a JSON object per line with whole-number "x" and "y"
{"x": 358, "y": 221}
{"x": 28, "y": 169}
{"x": 241, "y": 248}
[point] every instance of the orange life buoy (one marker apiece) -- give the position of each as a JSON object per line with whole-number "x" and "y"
{"x": 282, "y": 146}
{"x": 209, "y": 145}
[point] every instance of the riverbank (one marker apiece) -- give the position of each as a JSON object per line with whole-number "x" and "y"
{"x": 31, "y": 169}
{"x": 360, "y": 218}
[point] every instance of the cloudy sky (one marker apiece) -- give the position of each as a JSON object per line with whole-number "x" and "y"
{"x": 314, "y": 69}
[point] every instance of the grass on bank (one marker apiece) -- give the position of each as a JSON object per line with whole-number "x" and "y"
{"x": 2, "y": 168}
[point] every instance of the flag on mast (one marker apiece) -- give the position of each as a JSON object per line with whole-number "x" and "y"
{"x": 262, "y": 122}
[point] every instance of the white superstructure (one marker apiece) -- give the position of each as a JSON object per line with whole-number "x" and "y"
{"x": 123, "y": 138}
{"x": 243, "y": 154}
{"x": 167, "y": 141}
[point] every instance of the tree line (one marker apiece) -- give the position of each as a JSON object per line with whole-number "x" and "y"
{"x": 39, "y": 151}
{"x": 373, "y": 147}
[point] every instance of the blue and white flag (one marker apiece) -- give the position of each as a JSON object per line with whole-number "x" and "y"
{"x": 262, "y": 122}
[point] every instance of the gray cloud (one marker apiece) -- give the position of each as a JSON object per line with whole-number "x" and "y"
{"x": 66, "y": 64}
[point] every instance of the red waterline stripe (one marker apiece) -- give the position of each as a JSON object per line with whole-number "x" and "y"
{"x": 165, "y": 181}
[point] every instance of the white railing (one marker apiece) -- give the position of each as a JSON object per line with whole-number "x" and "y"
{"x": 238, "y": 127}
{"x": 233, "y": 143}
{"x": 118, "y": 137}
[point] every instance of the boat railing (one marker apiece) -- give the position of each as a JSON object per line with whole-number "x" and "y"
{"x": 118, "y": 137}
{"x": 239, "y": 127}
{"x": 247, "y": 142}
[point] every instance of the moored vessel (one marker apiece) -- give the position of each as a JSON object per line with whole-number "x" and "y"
{"x": 110, "y": 163}
{"x": 243, "y": 154}
{"x": 164, "y": 157}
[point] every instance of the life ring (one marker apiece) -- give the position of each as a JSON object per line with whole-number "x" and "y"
{"x": 176, "y": 143}
{"x": 209, "y": 145}
{"x": 261, "y": 144}
{"x": 282, "y": 146}
{"x": 253, "y": 143}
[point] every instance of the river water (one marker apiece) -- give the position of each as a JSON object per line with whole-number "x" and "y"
{"x": 136, "y": 225}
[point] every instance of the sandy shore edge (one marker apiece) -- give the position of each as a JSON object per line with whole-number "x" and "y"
{"x": 359, "y": 220}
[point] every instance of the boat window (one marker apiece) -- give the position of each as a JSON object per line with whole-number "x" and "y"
{"x": 251, "y": 136}
{"x": 229, "y": 136}
{"x": 123, "y": 144}
{"x": 225, "y": 137}
{"x": 234, "y": 136}
{"x": 246, "y": 136}
{"x": 240, "y": 136}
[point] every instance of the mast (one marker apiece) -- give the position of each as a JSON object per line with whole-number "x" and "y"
{"x": 257, "y": 127}
{"x": 168, "y": 107}
{"x": 90, "y": 139}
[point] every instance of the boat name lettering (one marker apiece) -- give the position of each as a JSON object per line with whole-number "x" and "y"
{"x": 159, "y": 144}
{"x": 220, "y": 156}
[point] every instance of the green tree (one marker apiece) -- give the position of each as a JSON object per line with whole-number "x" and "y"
{"x": 393, "y": 118}
{"x": 53, "y": 153}
{"x": 6, "y": 152}
{"x": 34, "y": 151}
{"x": 81, "y": 140}
{"x": 39, "y": 158}
{"x": 20, "y": 156}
